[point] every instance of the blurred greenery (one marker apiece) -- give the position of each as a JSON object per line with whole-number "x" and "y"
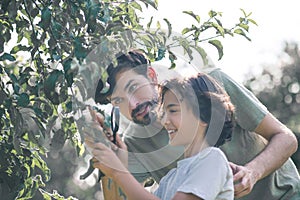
{"x": 278, "y": 87}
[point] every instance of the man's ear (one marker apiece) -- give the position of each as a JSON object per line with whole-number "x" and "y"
{"x": 152, "y": 74}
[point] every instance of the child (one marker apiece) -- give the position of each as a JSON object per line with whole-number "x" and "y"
{"x": 197, "y": 114}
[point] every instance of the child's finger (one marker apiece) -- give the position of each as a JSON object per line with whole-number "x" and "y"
{"x": 120, "y": 143}
{"x": 100, "y": 146}
{"x": 100, "y": 119}
{"x": 89, "y": 142}
{"x": 93, "y": 145}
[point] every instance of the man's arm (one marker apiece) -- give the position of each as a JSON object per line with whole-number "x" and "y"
{"x": 282, "y": 143}
{"x": 252, "y": 115}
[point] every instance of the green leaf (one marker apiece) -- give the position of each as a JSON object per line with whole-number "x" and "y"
{"x": 169, "y": 26}
{"x": 45, "y": 18}
{"x": 242, "y": 33}
{"x": 23, "y": 100}
{"x": 69, "y": 106}
{"x": 5, "y": 4}
{"x": 242, "y": 20}
{"x": 161, "y": 53}
{"x": 252, "y": 21}
{"x": 219, "y": 22}
{"x": 7, "y": 56}
{"x": 172, "y": 58}
{"x": 202, "y": 53}
{"x": 185, "y": 30}
{"x": 12, "y": 8}
{"x": 212, "y": 13}
{"x": 28, "y": 168}
{"x": 219, "y": 29}
{"x": 49, "y": 86}
{"x": 34, "y": 12}
{"x": 218, "y": 45}
{"x": 152, "y": 3}
{"x": 191, "y": 13}
{"x": 158, "y": 26}
{"x": 136, "y": 5}
{"x": 147, "y": 40}
{"x": 80, "y": 51}
{"x": 244, "y": 26}
{"x": 41, "y": 164}
{"x": 50, "y": 124}
{"x": 69, "y": 73}
{"x": 18, "y": 48}
{"x": 46, "y": 195}
{"x": 50, "y": 82}
{"x": 244, "y": 13}
{"x": 3, "y": 96}
{"x": 56, "y": 29}
{"x": 173, "y": 65}
{"x": 1, "y": 43}
{"x": 150, "y": 22}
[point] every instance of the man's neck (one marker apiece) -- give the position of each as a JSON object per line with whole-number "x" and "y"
{"x": 143, "y": 131}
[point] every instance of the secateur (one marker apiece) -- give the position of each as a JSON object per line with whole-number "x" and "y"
{"x": 114, "y": 125}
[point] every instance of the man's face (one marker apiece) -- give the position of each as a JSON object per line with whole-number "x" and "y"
{"x": 136, "y": 97}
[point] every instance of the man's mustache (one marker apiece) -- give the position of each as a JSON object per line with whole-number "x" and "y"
{"x": 143, "y": 105}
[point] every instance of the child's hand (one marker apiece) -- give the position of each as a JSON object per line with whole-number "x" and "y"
{"x": 105, "y": 159}
{"x": 120, "y": 147}
{"x": 100, "y": 119}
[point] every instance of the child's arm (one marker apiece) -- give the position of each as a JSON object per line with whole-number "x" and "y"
{"x": 106, "y": 160}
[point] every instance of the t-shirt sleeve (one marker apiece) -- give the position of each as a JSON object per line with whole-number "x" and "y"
{"x": 249, "y": 110}
{"x": 208, "y": 176}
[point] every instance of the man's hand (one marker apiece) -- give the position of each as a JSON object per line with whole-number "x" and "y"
{"x": 282, "y": 143}
{"x": 244, "y": 179}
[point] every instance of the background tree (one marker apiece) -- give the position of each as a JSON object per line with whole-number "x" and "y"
{"x": 36, "y": 91}
{"x": 278, "y": 87}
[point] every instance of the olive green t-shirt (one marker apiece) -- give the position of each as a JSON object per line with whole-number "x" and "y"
{"x": 245, "y": 144}
{"x": 148, "y": 149}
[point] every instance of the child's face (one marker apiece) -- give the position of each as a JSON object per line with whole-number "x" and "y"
{"x": 179, "y": 120}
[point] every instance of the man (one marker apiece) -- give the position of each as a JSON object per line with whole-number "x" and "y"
{"x": 259, "y": 151}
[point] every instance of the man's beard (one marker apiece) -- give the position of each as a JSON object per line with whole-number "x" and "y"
{"x": 149, "y": 117}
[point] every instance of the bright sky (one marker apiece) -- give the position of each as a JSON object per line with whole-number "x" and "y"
{"x": 278, "y": 21}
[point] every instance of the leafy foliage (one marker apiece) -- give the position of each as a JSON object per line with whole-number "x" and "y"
{"x": 36, "y": 93}
{"x": 214, "y": 23}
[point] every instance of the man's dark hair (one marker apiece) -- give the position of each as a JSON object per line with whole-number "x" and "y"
{"x": 134, "y": 60}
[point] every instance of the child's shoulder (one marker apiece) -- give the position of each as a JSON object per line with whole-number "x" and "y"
{"x": 212, "y": 153}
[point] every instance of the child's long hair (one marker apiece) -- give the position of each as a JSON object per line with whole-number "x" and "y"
{"x": 208, "y": 101}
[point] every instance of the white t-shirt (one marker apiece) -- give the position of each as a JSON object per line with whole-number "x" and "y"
{"x": 206, "y": 175}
